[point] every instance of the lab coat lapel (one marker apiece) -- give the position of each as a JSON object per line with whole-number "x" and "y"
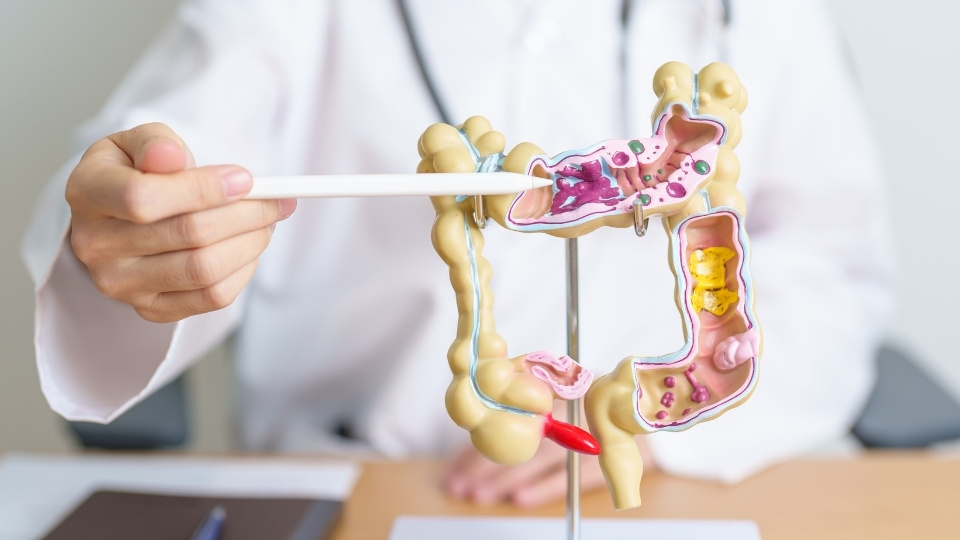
{"x": 464, "y": 48}
{"x": 483, "y": 58}
{"x": 510, "y": 61}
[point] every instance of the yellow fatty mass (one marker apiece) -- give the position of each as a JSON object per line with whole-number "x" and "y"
{"x": 708, "y": 268}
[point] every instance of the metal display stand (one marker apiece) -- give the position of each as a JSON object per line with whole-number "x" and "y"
{"x": 573, "y": 406}
{"x": 640, "y": 223}
{"x": 573, "y": 351}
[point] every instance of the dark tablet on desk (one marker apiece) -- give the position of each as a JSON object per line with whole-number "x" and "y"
{"x": 120, "y": 515}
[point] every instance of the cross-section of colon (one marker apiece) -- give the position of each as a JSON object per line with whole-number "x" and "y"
{"x": 662, "y": 171}
{"x": 716, "y": 369}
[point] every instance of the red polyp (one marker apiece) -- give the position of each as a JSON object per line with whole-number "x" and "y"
{"x": 570, "y": 437}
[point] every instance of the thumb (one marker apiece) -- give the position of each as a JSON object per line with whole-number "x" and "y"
{"x": 155, "y": 148}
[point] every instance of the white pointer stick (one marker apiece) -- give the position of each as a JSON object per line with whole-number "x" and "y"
{"x": 393, "y": 185}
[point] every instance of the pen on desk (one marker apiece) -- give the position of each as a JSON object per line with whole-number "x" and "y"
{"x": 212, "y": 525}
{"x": 392, "y": 185}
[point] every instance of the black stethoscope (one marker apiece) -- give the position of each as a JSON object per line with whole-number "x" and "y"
{"x": 626, "y": 7}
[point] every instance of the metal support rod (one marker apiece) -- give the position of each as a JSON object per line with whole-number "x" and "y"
{"x": 573, "y": 406}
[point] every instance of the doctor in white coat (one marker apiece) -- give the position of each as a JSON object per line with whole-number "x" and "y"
{"x": 343, "y": 312}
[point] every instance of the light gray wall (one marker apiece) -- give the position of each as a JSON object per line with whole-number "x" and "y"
{"x": 59, "y": 59}
{"x": 906, "y": 54}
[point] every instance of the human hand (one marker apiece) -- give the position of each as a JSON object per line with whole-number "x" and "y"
{"x": 541, "y": 480}
{"x": 157, "y": 232}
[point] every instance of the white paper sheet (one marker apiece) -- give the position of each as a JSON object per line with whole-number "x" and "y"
{"x": 420, "y": 528}
{"x": 37, "y": 491}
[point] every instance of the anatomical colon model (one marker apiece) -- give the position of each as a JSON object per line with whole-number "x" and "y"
{"x": 686, "y": 172}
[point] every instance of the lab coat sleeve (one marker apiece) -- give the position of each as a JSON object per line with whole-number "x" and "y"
{"x": 222, "y": 75}
{"x": 817, "y": 218}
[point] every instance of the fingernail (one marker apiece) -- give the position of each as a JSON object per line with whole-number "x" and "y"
{"x": 287, "y": 206}
{"x": 236, "y": 182}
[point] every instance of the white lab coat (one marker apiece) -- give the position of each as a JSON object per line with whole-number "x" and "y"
{"x": 350, "y": 313}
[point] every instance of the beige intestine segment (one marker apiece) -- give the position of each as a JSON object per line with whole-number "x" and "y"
{"x": 503, "y": 436}
{"x": 611, "y": 403}
{"x": 721, "y": 96}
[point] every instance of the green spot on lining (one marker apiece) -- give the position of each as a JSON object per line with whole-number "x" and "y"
{"x": 644, "y": 199}
{"x": 636, "y": 146}
{"x": 701, "y": 166}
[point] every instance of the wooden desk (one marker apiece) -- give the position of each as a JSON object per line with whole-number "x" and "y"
{"x": 878, "y": 497}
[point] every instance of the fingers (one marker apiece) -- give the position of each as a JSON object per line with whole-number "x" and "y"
{"x": 146, "y": 174}
{"x": 541, "y": 480}
{"x": 174, "y": 306}
{"x": 200, "y": 268}
{"x": 135, "y": 263}
{"x": 466, "y": 471}
{"x": 195, "y": 229}
{"x": 138, "y": 281}
{"x": 549, "y": 488}
{"x": 174, "y": 285}
{"x": 511, "y": 480}
{"x": 159, "y": 155}
{"x": 170, "y": 239}
{"x": 107, "y": 188}
{"x": 153, "y": 148}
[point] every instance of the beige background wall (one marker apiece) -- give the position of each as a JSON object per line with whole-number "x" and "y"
{"x": 59, "y": 59}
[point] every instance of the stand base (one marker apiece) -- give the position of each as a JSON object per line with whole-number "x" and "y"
{"x": 480, "y": 528}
